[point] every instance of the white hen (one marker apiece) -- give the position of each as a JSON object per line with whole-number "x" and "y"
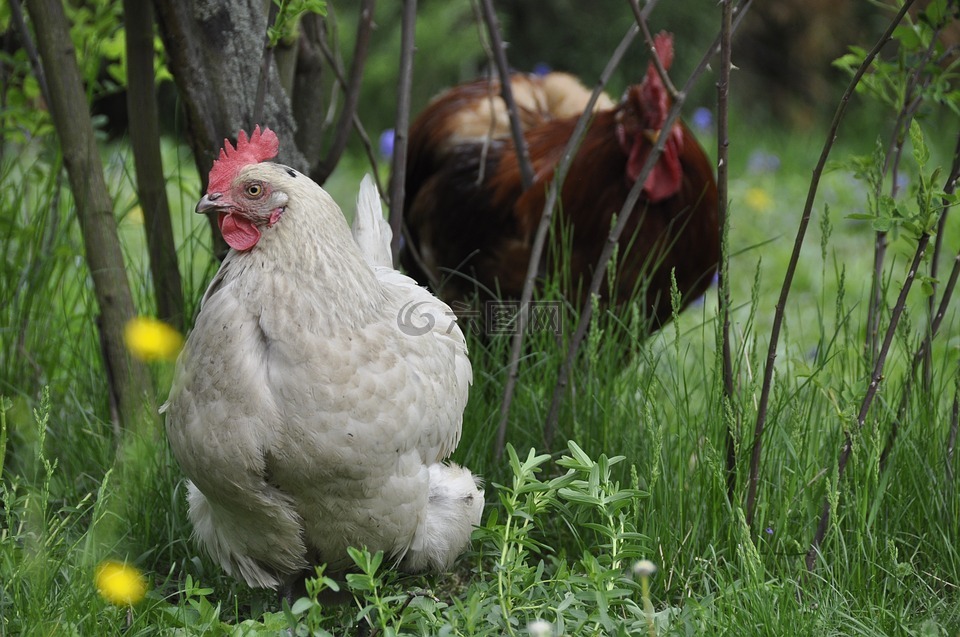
{"x": 320, "y": 390}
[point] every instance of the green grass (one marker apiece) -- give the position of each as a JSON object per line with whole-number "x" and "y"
{"x": 562, "y": 531}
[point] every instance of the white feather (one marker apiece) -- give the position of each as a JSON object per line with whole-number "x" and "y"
{"x": 370, "y": 230}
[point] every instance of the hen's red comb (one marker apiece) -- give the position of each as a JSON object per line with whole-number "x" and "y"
{"x": 259, "y": 147}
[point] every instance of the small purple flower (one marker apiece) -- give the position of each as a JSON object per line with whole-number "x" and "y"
{"x": 386, "y": 143}
{"x": 903, "y": 181}
{"x": 769, "y": 530}
{"x": 541, "y": 68}
{"x": 761, "y": 161}
{"x": 702, "y": 119}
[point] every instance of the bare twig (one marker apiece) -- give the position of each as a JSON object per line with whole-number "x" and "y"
{"x": 794, "y": 261}
{"x": 922, "y": 355}
{"x": 351, "y": 90}
{"x": 938, "y": 240}
{"x": 398, "y": 174}
{"x": 919, "y": 357}
{"x": 871, "y": 392}
{"x": 623, "y": 217}
{"x": 536, "y": 250}
{"x": 506, "y": 90}
{"x": 952, "y": 437}
{"x": 891, "y": 163}
{"x": 641, "y": 19}
{"x": 491, "y": 101}
{"x": 337, "y": 67}
{"x": 723, "y": 290}
{"x": 16, "y": 16}
{"x": 328, "y": 39}
{"x": 264, "y": 78}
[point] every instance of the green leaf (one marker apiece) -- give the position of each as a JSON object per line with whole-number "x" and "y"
{"x": 887, "y": 206}
{"x": 579, "y": 454}
{"x": 936, "y": 13}
{"x": 926, "y": 286}
{"x": 907, "y": 35}
{"x": 921, "y": 154}
{"x": 580, "y": 497}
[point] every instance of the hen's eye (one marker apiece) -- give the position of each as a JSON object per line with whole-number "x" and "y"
{"x": 254, "y": 190}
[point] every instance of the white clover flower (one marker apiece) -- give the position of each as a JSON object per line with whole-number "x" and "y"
{"x": 644, "y": 568}
{"x": 540, "y": 628}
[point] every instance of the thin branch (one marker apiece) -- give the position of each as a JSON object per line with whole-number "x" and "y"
{"x": 351, "y": 94}
{"x": 334, "y": 55}
{"x": 915, "y": 80}
{"x": 919, "y": 357}
{"x": 623, "y": 217}
{"x": 723, "y": 289}
{"x": 337, "y": 68}
{"x": 264, "y": 77}
{"x": 371, "y": 156}
{"x": 922, "y": 355}
{"x": 506, "y": 90}
{"x": 641, "y": 19}
{"x": 491, "y": 101}
{"x": 871, "y": 392}
{"x": 952, "y": 436}
{"x": 398, "y": 174}
{"x": 16, "y": 16}
{"x": 795, "y": 259}
{"x": 536, "y": 250}
{"x": 898, "y": 309}
{"x": 891, "y": 163}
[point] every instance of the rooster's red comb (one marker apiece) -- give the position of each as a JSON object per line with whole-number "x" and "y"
{"x": 654, "y": 95}
{"x": 259, "y": 147}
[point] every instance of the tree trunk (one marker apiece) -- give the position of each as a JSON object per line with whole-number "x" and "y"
{"x": 308, "y": 90}
{"x": 145, "y": 140}
{"x": 214, "y": 50}
{"x": 129, "y": 379}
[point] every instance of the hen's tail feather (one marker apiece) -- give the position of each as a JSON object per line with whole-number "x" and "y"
{"x": 454, "y": 507}
{"x": 370, "y": 230}
{"x": 233, "y": 546}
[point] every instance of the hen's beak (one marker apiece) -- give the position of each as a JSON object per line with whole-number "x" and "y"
{"x": 211, "y": 201}
{"x": 652, "y": 135}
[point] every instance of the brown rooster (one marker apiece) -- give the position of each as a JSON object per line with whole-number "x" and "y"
{"x": 471, "y": 223}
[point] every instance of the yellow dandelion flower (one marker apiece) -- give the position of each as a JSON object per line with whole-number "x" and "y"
{"x": 152, "y": 340}
{"x": 758, "y": 199}
{"x": 135, "y": 215}
{"x": 120, "y": 584}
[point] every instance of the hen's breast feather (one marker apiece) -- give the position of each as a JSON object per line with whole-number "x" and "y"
{"x": 338, "y": 417}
